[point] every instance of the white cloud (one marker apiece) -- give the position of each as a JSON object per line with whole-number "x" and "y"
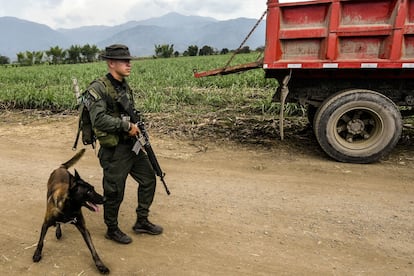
{"x": 75, "y": 13}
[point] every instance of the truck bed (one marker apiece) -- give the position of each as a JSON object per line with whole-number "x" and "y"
{"x": 334, "y": 34}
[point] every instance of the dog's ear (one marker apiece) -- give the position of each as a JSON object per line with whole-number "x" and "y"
{"x": 74, "y": 179}
{"x": 77, "y": 177}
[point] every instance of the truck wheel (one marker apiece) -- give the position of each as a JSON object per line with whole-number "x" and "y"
{"x": 357, "y": 126}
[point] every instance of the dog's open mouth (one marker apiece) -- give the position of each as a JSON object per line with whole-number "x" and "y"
{"x": 92, "y": 207}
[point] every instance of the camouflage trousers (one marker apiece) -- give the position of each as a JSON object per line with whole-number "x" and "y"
{"x": 117, "y": 163}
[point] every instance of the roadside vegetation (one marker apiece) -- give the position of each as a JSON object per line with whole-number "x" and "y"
{"x": 165, "y": 90}
{"x": 90, "y": 53}
{"x": 160, "y": 85}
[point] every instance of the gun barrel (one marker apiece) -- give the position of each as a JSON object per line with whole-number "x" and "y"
{"x": 165, "y": 185}
{"x": 155, "y": 165}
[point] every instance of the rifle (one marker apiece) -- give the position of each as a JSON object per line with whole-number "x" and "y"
{"x": 142, "y": 138}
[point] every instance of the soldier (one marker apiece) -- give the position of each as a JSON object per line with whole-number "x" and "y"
{"x": 116, "y": 137}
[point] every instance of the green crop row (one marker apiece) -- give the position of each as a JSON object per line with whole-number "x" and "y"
{"x": 165, "y": 85}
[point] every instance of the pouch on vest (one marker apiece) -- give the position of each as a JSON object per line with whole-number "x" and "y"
{"x": 106, "y": 140}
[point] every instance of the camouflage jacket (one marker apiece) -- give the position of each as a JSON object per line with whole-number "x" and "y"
{"x": 104, "y": 110}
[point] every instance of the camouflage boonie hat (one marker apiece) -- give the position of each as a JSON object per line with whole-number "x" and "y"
{"x": 116, "y": 51}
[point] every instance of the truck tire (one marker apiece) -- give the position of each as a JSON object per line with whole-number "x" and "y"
{"x": 357, "y": 126}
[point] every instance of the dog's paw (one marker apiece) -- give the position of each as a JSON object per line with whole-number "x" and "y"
{"x": 103, "y": 269}
{"x": 37, "y": 257}
{"x": 58, "y": 231}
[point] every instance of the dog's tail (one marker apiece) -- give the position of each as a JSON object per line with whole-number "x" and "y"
{"x": 73, "y": 160}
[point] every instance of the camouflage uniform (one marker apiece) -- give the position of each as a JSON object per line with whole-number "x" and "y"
{"x": 115, "y": 154}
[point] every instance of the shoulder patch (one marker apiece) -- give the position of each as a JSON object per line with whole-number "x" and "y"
{"x": 95, "y": 95}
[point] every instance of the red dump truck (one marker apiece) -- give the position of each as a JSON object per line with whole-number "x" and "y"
{"x": 351, "y": 62}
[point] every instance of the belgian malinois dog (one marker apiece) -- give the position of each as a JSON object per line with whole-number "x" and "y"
{"x": 66, "y": 194}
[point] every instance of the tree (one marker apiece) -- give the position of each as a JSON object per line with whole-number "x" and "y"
{"x": 4, "y": 60}
{"x": 206, "y": 51}
{"x": 90, "y": 52}
{"x": 74, "y": 54}
{"x": 260, "y": 49}
{"x": 56, "y": 54}
{"x": 192, "y": 50}
{"x": 244, "y": 50}
{"x": 224, "y": 51}
{"x": 29, "y": 58}
{"x": 20, "y": 57}
{"x": 38, "y": 57}
{"x": 164, "y": 51}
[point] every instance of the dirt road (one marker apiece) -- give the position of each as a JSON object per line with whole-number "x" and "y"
{"x": 233, "y": 210}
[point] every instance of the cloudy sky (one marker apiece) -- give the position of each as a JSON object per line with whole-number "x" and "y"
{"x": 76, "y": 13}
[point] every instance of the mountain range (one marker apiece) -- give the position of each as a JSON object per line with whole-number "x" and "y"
{"x": 141, "y": 36}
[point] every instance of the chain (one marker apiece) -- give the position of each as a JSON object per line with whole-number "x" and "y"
{"x": 244, "y": 41}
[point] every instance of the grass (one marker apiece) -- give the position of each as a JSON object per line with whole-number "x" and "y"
{"x": 160, "y": 85}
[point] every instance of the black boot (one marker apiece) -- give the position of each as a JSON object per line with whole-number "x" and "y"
{"x": 118, "y": 236}
{"x": 143, "y": 225}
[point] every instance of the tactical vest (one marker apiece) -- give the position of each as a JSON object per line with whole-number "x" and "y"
{"x": 90, "y": 134}
{"x": 114, "y": 109}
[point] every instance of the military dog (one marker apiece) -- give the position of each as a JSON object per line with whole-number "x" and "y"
{"x": 66, "y": 194}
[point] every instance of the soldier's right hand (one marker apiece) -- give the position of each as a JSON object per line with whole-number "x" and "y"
{"x": 133, "y": 130}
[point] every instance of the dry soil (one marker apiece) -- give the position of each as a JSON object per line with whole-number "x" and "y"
{"x": 234, "y": 209}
